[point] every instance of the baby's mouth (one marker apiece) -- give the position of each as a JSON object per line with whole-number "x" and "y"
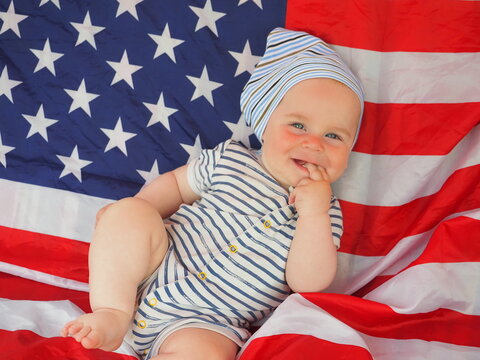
{"x": 300, "y": 162}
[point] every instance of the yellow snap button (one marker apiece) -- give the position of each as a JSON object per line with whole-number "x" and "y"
{"x": 233, "y": 249}
{"x": 153, "y": 302}
{"x": 202, "y": 275}
{"x": 267, "y": 223}
{"x": 142, "y": 324}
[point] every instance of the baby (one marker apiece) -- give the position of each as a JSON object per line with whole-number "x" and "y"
{"x": 209, "y": 248}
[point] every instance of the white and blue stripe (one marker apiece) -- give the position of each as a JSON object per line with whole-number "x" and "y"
{"x": 290, "y": 57}
{"x": 237, "y": 237}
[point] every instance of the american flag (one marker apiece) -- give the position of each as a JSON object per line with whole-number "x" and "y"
{"x": 99, "y": 97}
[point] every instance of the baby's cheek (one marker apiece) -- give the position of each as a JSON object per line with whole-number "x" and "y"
{"x": 288, "y": 136}
{"x": 340, "y": 164}
{"x": 293, "y": 132}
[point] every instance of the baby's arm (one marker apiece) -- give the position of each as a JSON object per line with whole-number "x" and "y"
{"x": 312, "y": 260}
{"x": 166, "y": 193}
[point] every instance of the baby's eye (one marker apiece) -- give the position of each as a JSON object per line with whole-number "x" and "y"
{"x": 298, "y": 126}
{"x": 333, "y": 136}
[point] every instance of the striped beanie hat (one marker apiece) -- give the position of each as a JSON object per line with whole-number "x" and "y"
{"x": 290, "y": 57}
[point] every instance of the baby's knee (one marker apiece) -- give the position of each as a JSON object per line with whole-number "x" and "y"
{"x": 131, "y": 206}
{"x": 129, "y": 212}
{"x": 131, "y": 202}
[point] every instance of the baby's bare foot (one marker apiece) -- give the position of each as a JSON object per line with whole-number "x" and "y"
{"x": 103, "y": 329}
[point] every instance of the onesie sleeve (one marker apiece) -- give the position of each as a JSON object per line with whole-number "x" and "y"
{"x": 201, "y": 169}
{"x": 336, "y": 219}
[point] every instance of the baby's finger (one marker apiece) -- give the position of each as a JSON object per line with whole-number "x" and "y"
{"x": 314, "y": 172}
{"x": 324, "y": 175}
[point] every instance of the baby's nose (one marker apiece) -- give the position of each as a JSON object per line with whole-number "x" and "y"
{"x": 312, "y": 142}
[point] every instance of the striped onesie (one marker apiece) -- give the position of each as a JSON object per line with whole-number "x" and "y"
{"x": 225, "y": 266}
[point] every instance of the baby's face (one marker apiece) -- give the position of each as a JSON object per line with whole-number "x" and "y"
{"x": 315, "y": 123}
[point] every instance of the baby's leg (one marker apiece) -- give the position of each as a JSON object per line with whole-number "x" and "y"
{"x": 128, "y": 244}
{"x": 197, "y": 344}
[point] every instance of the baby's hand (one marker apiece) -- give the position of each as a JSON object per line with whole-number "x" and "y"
{"x": 312, "y": 195}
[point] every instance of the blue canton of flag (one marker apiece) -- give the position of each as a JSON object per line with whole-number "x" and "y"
{"x": 99, "y": 97}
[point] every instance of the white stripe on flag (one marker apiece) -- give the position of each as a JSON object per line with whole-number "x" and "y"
{"x": 393, "y": 180}
{"x": 50, "y": 316}
{"x": 68, "y": 214}
{"x": 426, "y": 77}
{"x": 414, "y": 349}
{"x": 435, "y": 285}
{"x": 42, "y": 277}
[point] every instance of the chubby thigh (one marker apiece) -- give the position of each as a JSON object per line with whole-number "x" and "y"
{"x": 187, "y": 339}
{"x": 197, "y": 344}
{"x": 153, "y": 338}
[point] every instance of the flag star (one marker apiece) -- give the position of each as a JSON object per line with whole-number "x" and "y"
{"x": 257, "y": 2}
{"x": 246, "y": 60}
{"x": 46, "y": 58}
{"x": 87, "y": 31}
{"x": 6, "y": 84}
{"x": 123, "y": 70}
{"x": 160, "y": 112}
{"x": 10, "y": 20}
{"x": 128, "y": 6}
{"x": 4, "y": 149}
{"x": 73, "y": 164}
{"x": 56, "y": 2}
{"x": 193, "y": 150}
{"x": 240, "y": 131}
{"x": 203, "y": 86}
{"x": 207, "y": 17}
{"x": 117, "y": 137}
{"x": 81, "y": 98}
{"x": 149, "y": 176}
{"x": 165, "y": 44}
{"x": 39, "y": 123}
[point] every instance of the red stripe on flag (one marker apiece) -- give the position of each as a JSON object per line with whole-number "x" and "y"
{"x": 431, "y": 129}
{"x": 24, "y": 344}
{"x": 408, "y": 25}
{"x": 44, "y": 253}
{"x": 301, "y": 347}
{"x": 379, "y": 320}
{"x": 454, "y": 241}
{"x": 17, "y": 288}
{"x": 375, "y": 230}
{"x": 372, "y": 285}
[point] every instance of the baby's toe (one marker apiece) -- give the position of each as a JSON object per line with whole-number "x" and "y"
{"x": 92, "y": 340}
{"x": 71, "y": 328}
{"x": 65, "y": 331}
{"x": 82, "y": 333}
